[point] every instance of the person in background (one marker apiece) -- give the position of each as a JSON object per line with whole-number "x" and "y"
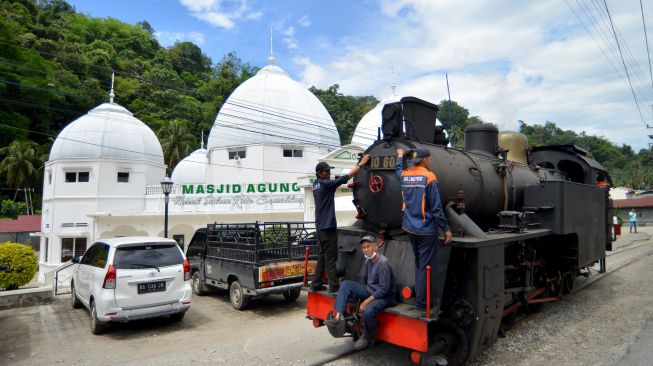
{"x": 376, "y": 290}
{"x": 423, "y": 215}
{"x": 633, "y": 220}
{"x": 324, "y": 190}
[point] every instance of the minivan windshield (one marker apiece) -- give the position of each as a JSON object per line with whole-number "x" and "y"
{"x": 150, "y": 255}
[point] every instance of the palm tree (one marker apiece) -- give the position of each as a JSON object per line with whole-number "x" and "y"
{"x": 176, "y": 140}
{"x": 21, "y": 163}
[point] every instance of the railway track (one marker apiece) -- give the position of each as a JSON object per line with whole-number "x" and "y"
{"x": 643, "y": 245}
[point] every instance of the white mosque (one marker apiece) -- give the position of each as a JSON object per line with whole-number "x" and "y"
{"x": 103, "y": 175}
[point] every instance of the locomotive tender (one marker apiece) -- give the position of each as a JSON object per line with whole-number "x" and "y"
{"x": 525, "y": 223}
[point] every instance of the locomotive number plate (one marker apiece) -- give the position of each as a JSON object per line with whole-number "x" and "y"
{"x": 383, "y": 162}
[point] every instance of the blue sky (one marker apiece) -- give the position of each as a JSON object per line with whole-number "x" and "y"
{"x": 507, "y": 60}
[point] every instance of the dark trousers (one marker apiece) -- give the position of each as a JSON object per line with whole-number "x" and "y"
{"x": 424, "y": 249}
{"x": 352, "y": 290}
{"x": 327, "y": 255}
{"x": 633, "y": 224}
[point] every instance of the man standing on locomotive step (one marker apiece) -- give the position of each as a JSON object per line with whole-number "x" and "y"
{"x": 376, "y": 291}
{"x": 324, "y": 190}
{"x": 423, "y": 214}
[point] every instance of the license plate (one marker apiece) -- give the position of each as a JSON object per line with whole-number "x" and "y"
{"x": 144, "y": 288}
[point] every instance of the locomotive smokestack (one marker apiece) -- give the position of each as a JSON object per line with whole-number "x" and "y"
{"x": 482, "y": 138}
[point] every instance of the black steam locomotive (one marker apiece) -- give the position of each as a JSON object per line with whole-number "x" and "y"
{"x": 525, "y": 223}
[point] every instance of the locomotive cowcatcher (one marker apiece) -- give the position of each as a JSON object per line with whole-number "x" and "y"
{"x": 526, "y": 223}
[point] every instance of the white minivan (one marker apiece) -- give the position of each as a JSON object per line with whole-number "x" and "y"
{"x": 130, "y": 278}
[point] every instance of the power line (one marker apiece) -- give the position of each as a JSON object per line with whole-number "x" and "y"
{"x": 146, "y": 154}
{"x": 648, "y": 52}
{"x": 624, "y": 63}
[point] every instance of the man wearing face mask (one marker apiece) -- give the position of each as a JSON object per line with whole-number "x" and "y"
{"x": 376, "y": 290}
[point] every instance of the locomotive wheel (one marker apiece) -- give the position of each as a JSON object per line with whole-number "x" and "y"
{"x": 567, "y": 285}
{"x": 457, "y": 347}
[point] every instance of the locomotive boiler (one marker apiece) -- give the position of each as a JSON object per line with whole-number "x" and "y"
{"x": 526, "y": 223}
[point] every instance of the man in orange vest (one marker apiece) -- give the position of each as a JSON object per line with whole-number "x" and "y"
{"x": 423, "y": 214}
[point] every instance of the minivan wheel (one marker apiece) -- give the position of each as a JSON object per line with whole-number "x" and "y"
{"x": 97, "y": 327}
{"x": 292, "y": 295}
{"x": 76, "y": 304}
{"x": 237, "y": 296}
{"x": 199, "y": 288}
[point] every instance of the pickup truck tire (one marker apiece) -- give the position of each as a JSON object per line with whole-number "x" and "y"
{"x": 237, "y": 296}
{"x": 292, "y": 295}
{"x": 199, "y": 288}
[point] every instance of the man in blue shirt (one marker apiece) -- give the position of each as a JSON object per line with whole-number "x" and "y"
{"x": 324, "y": 190}
{"x": 376, "y": 290}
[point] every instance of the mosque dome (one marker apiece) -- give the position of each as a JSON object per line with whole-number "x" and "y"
{"x": 272, "y": 108}
{"x": 108, "y": 131}
{"x": 191, "y": 169}
{"x": 367, "y": 129}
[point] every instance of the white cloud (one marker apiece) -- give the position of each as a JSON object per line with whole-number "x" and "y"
{"x": 289, "y": 38}
{"x": 506, "y": 60}
{"x": 304, "y": 21}
{"x": 169, "y": 38}
{"x": 223, "y": 14}
{"x": 312, "y": 74}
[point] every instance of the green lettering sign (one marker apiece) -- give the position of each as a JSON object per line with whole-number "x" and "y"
{"x": 187, "y": 189}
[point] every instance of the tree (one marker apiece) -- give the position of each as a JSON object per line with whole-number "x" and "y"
{"x": 345, "y": 110}
{"x": 20, "y": 163}
{"x": 176, "y": 140}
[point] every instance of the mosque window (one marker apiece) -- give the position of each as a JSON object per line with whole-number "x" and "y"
{"x": 180, "y": 240}
{"x": 123, "y": 177}
{"x": 49, "y": 177}
{"x": 72, "y": 247}
{"x": 237, "y": 154}
{"x": 72, "y": 177}
{"x": 292, "y": 153}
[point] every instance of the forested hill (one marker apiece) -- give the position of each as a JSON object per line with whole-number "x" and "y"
{"x": 56, "y": 65}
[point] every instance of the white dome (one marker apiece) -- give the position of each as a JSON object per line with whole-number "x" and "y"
{"x": 367, "y": 129}
{"x": 107, "y": 131}
{"x": 191, "y": 169}
{"x": 270, "y": 107}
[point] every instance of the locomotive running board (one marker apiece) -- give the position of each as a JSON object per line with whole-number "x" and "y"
{"x": 398, "y": 325}
{"x": 498, "y": 238}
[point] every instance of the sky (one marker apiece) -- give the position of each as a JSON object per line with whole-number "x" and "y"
{"x": 506, "y": 61}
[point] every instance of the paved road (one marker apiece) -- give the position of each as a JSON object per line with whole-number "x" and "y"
{"x": 273, "y": 332}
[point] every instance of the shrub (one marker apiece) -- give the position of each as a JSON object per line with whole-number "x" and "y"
{"x": 22, "y": 262}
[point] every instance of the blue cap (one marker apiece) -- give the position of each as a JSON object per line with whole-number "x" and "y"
{"x": 418, "y": 154}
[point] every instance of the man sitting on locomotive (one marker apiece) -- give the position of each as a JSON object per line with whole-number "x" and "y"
{"x": 423, "y": 214}
{"x": 376, "y": 290}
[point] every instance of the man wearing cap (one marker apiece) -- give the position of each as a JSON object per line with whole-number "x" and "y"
{"x": 423, "y": 214}
{"x": 324, "y": 190}
{"x": 376, "y": 290}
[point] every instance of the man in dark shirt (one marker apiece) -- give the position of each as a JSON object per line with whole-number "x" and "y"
{"x": 324, "y": 190}
{"x": 376, "y": 290}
